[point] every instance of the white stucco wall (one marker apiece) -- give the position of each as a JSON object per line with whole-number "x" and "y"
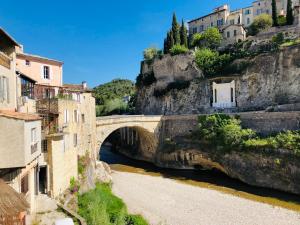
{"x": 223, "y": 97}
{"x": 15, "y": 145}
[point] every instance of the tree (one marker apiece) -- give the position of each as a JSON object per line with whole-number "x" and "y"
{"x": 289, "y": 13}
{"x": 172, "y": 41}
{"x": 211, "y": 38}
{"x": 150, "y": 53}
{"x": 175, "y": 30}
{"x": 183, "y": 35}
{"x": 261, "y": 22}
{"x": 274, "y": 13}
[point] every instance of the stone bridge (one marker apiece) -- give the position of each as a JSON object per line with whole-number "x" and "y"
{"x": 132, "y": 127}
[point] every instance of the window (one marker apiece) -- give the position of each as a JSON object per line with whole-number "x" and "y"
{"x": 228, "y": 34}
{"x": 194, "y": 31}
{"x": 234, "y": 32}
{"x": 27, "y": 88}
{"x": 231, "y": 22}
{"x": 75, "y": 140}
{"x": 44, "y": 146}
{"x": 201, "y": 28}
{"x": 24, "y": 184}
{"x": 220, "y": 22}
{"x": 231, "y": 94}
{"x": 4, "y": 89}
{"x": 46, "y": 72}
{"x": 216, "y": 99}
{"x": 34, "y": 141}
{"x": 66, "y": 116}
{"x": 247, "y": 12}
{"x": 27, "y": 62}
{"x": 248, "y": 20}
{"x": 75, "y": 116}
{"x": 212, "y": 24}
{"x": 82, "y": 118}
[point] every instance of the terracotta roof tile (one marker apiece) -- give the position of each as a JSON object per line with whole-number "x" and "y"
{"x": 19, "y": 116}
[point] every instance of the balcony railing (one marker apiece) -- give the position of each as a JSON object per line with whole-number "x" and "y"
{"x": 4, "y": 60}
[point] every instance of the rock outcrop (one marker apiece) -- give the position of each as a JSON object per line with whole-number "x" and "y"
{"x": 266, "y": 80}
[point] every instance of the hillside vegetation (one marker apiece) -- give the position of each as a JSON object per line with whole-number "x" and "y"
{"x": 110, "y": 97}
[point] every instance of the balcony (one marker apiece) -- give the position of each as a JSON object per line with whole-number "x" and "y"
{"x": 5, "y": 60}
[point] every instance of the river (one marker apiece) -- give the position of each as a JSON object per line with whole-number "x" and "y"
{"x": 192, "y": 187}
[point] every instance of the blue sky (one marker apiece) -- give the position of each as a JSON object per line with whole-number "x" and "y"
{"x": 98, "y": 40}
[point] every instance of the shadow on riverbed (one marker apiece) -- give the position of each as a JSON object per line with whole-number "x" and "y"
{"x": 211, "y": 179}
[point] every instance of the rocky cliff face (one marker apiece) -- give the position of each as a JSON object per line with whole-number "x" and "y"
{"x": 267, "y": 79}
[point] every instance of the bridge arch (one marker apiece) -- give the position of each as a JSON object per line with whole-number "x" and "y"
{"x": 146, "y": 127}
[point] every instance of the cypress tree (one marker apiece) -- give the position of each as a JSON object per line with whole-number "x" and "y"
{"x": 172, "y": 41}
{"x": 183, "y": 35}
{"x": 289, "y": 13}
{"x": 175, "y": 30}
{"x": 274, "y": 13}
{"x": 166, "y": 48}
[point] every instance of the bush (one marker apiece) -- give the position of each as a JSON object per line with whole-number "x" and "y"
{"x": 74, "y": 185}
{"x": 151, "y": 53}
{"x": 278, "y": 38}
{"x": 211, "y": 38}
{"x": 281, "y": 20}
{"x": 100, "y": 206}
{"x": 260, "y": 23}
{"x": 225, "y": 132}
{"x": 210, "y": 62}
{"x": 178, "y": 49}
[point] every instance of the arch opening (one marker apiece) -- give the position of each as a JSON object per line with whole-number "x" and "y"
{"x": 135, "y": 142}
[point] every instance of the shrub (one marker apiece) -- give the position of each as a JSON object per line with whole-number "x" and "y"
{"x": 211, "y": 38}
{"x": 151, "y": 53}
{"x": 281, "y": 20}
{"x": 74, "y": 185}
{"x": 178, "y": 49}
{"x": 278, "y": 38}
{"x": 260, "y": 23}
{"x": 100, "y": 206}
{"x": 226, "y": 133}
{"x": 210, "y": 62}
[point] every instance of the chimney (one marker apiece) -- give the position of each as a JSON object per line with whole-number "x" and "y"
{"x": 84, "y": 85}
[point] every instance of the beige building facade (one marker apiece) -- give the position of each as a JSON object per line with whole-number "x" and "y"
{"x": 228, "y": 21}
{"x": 20, "y": 133}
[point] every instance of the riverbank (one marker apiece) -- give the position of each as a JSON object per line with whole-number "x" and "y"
{"x": 164, "y": 201}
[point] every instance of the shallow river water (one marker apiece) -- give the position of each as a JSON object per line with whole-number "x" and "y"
{"x": 214, "y": 180}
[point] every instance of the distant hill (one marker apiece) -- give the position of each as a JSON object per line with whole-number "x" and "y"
{"x": 113, "y": 97}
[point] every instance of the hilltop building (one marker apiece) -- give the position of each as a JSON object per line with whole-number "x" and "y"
{"x": 233, "y": 23}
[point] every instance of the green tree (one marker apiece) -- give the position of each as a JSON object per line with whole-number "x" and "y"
{"x": 172, "y": 41}
{"x": 261, "y": 22}
{"x": 211, "y": 38}
{"x": 274, "y": 13}
{"x": 150, "y": 53}
{"x": 175, "y": 30}
{"x": 289, "y": 13}
{"x": 183, "y": 35}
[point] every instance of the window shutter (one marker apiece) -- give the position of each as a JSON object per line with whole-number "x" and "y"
{"x": 42, "y": 72}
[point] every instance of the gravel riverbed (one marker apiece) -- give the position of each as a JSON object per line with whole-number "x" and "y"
{"x": 164, "y": 201}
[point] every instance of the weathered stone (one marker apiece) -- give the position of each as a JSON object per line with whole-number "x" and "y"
{"x": 268, "y": 79}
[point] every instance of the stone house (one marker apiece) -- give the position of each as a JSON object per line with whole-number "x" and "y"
{"x": 232, "y": 24}
{"x": 68, "y": 121}
{"x": 20, "y": 133}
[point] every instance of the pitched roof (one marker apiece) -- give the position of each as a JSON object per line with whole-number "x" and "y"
{"x": 11, "y": 202}
{"x": 3, "y": 32}
{"x": 19, "y": 116}
{"x": 76, "y": 87}
{"x": 30, "y": 56}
